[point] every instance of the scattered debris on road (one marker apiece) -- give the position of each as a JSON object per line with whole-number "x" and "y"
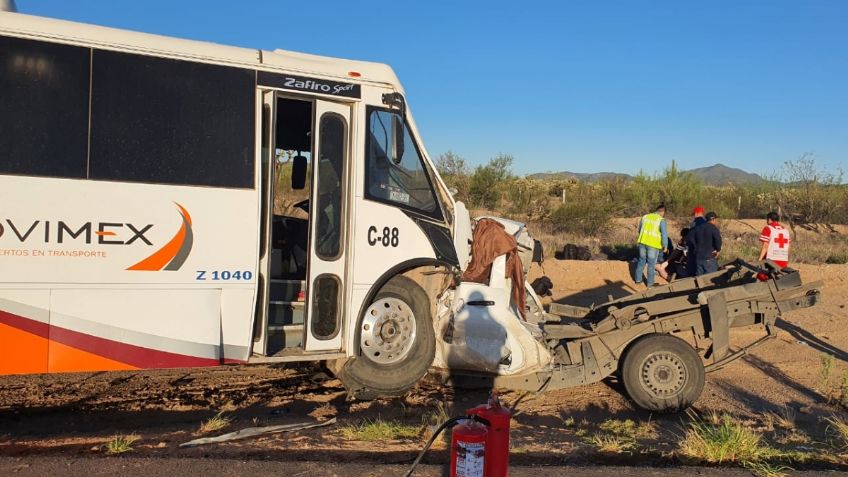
{"x": 256, "y": 431}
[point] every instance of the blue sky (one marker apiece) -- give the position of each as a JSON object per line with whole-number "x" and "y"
{"x": 583, "y": 86}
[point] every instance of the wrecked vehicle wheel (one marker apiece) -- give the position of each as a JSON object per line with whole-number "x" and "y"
{"x": 396, "y": 341}
{"x": 662, "y": 373}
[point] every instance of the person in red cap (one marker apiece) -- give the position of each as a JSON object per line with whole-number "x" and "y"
{"x": 697, "y": 221}
{"x": 775, "y": 239}
{"x": 698, "y": 216}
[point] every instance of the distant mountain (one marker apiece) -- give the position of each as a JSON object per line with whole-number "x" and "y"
{"x": 718, "y": 174}
{"x": 581, "y": 176}
{"x": 721, "y": 175}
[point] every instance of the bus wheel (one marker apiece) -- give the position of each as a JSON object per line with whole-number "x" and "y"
{"x": 662, "y": 373}
{"x": 396, "y": 340}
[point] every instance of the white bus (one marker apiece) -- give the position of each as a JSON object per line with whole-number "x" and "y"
{"x": 173, "y": 203}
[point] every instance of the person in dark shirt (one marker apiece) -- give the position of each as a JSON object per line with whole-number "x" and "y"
{"x": 698, "y": 217}
{"x": 705, "y": 245}
{"x": 697, "y": 221}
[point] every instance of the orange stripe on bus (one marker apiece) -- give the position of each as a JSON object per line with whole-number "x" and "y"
{"x": 164, "y": 255}
{"x": 21, "y": 352}
{"x": 64, "y": 358}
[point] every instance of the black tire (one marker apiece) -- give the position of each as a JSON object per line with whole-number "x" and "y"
{"x": 365, "y": 378}
{"x": 662, "y": 373}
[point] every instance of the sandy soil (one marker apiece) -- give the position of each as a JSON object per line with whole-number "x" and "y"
{"x": 75, "y": 414}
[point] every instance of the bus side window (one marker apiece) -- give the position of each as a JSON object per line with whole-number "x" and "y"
{"x": 329, "y": 192}
{"x": 158, "y": 120}
{"x": 43, "y": 108}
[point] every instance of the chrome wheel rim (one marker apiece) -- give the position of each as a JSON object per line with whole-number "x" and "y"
{"x": 388, "y": 331}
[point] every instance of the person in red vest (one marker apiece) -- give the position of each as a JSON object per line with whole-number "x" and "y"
{"x": 776, "y": 240}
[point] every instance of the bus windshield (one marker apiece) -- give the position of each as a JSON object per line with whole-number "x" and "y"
{"x": 407, "y": 183}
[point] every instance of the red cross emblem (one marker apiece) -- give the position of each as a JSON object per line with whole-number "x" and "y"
{"x": 781, "y": 240}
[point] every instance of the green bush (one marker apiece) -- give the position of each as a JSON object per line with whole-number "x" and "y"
{"x": 487, "y": 181}
{"x": 527, "y": 198}
{"x": 586, "y": 211}
{"x": 454, "y": 171}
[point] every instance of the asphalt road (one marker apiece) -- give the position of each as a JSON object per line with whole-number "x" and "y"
{"x": 156, "y": 467}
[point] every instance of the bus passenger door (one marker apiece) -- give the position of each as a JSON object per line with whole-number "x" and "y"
{"x": 266, "y": 187}
{"x": 329, "y": 227}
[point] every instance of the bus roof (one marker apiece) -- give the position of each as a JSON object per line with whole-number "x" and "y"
{"x": 61, "y": 31}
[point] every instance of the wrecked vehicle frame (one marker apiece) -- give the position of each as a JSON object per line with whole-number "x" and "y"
{"x": 661, "y": 342}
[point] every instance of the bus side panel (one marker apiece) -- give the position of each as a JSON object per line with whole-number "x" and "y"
{"x": 374, "y": 221}
{"x": 62, "y": 231}
{"x": 175, "y": 264}
{"x": 24, "y": 321}
{"x": 236, "y": 331}
{"x": 133, "y": 329}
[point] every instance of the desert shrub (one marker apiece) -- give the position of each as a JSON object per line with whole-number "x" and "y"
{"x": 808, "y": 194}
{"x": 579, "y": 219}
{"x": 586, "y": 211}
{"x": 837, "y": 258}
{"x": 616, "y": 192}
{"x": 678, "y": 190}
{"x": 528, "y": 199}
{"x": 487, "y": 182}
{"x": 454, "y": 171}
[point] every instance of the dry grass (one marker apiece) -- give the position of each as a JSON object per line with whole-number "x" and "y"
{"x": 612, "y": 443}
{"x": 567, "y": 421}
{"x": 436, "y": 416}
{"x": 784, "y": 418}
{"x": 838, "y": 428}
{"x": 618, "y": 436}
{"x": 792, "y": 437}
{"x": 521, "y": 449}
{"x": 628, "y": 428}
{"x": 827, "y": 379}
{"x": 765, "y": 469}
{"x": 727, "y": 442}
{"x": 372, "y": 430}
{"x": 122, "y": 443}
{"x": 214, "y": 423}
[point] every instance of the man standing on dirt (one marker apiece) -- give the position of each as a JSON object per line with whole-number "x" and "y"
{"x": 706, "y": 245}
{"x": 776, "y": 240}
{"x": 653, "y": 237}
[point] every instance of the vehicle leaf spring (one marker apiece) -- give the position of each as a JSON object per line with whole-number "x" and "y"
{"x": 738, "y": 354}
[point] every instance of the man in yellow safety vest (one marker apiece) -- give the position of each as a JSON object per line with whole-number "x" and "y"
{"x": 653, "y": 238}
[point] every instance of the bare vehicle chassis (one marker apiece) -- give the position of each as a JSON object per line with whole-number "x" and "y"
{"x": 589, "y": 344}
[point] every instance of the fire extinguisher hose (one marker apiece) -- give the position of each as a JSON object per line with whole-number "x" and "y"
{"x": 449, "y": 423}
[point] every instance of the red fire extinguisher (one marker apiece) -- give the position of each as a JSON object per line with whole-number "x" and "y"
{"x": 497, "y": 436}
{"x": 479, "y": 443}
{"x": 468, "y": 449}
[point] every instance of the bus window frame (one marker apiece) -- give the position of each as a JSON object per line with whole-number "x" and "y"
{"x": 343, "y": 184}
{"x": 438, "y": 213}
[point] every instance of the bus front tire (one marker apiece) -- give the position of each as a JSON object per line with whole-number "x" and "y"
{"x": 397, "y": 342}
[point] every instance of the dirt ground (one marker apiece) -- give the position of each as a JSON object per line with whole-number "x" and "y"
{"x": 74, "y": 415}
{"x": 165, "y": 467}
